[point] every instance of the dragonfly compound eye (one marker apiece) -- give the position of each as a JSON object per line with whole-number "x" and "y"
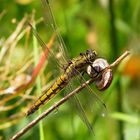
{"x": 91, "y": 55}
{"x": 103, "y": 77}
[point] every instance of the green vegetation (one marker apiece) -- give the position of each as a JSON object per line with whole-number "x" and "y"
{"x": 110, "y": 27}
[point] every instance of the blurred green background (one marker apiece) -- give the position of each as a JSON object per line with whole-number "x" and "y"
{"x": 108, "y": 26}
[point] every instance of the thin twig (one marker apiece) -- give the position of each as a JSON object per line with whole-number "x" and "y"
{"x": 12, "y": 37}
{"x": 63, "y": 100}
{"x": 119, "y": 59}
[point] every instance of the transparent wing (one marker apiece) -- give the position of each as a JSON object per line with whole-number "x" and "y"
{"x": 89, "y": 90}
{"x": 77, "y": 106}
{"x": 44, "y": 46}
{"x": 93, "y": 102}
{"x": 58, "y": 55}
{"x": 51, "y": 25}
{"x": 87, "y": 103}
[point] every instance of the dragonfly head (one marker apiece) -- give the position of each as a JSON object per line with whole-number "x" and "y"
{"x": 91, "y": 55}
{"x": 101, "y": 73}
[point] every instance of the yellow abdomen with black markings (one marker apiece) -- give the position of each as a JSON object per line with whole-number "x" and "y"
{"x": 58, "y": 85}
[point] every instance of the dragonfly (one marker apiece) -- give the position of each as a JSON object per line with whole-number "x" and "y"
{"x": 86, "y": 62}
{"x": 76, "y": 66}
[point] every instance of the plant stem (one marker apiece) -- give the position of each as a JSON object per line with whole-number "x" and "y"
{"x": 115, "y": 52}
{"x": 38, "y": 81}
